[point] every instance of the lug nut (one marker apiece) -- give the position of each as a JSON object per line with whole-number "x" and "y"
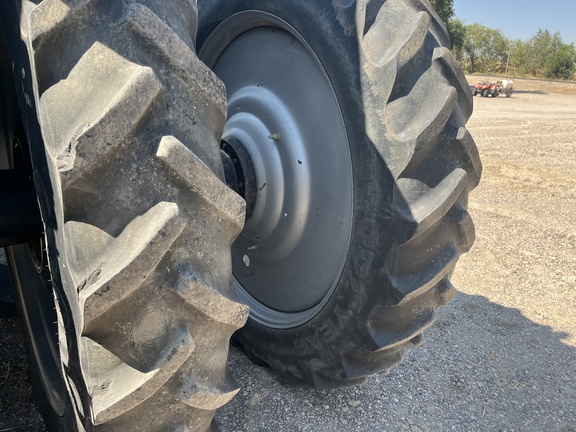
{"x": 275, "y": 136}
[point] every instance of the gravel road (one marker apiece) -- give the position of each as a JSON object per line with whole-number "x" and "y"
{"x": 502, "y": 355}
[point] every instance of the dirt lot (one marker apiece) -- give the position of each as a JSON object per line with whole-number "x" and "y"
{"x": 502, "y": 356}
{"x": 525, "y": 207}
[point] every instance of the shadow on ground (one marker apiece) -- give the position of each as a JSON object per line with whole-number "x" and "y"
{"x": 484, "y": 367}
{"x": 539, "y": 92}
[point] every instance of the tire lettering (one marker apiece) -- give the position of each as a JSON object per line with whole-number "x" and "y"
{"x": 300, "y": 346}
{"x": 363, "y": 262}
{"x": 369, "y": 167}
{"x": 328, "y": 331}
{"x": 307, "y": 345}
{"x": 369, "y": 198}
{"x": 369, "y": 233}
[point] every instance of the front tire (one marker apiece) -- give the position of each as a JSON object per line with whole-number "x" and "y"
{"x": 127, "y": 297}
{"x": 331, "y": 311}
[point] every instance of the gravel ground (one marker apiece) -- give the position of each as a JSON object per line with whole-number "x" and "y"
{"x": 502, "y": 355}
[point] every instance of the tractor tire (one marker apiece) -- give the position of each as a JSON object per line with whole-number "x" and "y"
{"x": 353, "y": 114}
{"x": 127, "y": 297}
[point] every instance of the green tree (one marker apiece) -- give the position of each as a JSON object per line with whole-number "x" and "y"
{"x": 485, "y": 49}
{"x": 520, "y": 57}
{"x": 456, "y": 29}
{"x": 543, "y": 45}
{"x": 544, "y": 55}
{"x": 560, "y": 64}
{"x": 457, "y": 32}
{"x": 445, "y": 9}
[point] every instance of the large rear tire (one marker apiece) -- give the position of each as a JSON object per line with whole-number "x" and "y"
{"x": 127, "y": 297}
{"x": 353, "y": 114}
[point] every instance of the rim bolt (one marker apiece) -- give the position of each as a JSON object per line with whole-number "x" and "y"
{"x": 275, "y": 136}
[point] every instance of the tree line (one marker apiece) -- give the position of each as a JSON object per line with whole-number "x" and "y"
{"x": 486, "y": 50}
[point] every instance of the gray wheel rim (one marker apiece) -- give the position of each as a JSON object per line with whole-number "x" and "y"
{"x": 283, "y": 109}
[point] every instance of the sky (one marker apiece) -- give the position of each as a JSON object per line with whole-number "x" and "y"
{"x": 521, "y": 19}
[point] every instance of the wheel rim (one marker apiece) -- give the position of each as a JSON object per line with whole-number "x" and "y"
{"x": 283, "y": 109}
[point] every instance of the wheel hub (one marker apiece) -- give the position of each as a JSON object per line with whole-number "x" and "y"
{"x": 239, "y": 172}
{"x": 267, "y": 131}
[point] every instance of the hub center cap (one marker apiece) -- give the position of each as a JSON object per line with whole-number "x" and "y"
{"x": 264, "y": 125}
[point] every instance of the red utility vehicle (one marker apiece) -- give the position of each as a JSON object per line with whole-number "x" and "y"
{"x": 486, "y": 89}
